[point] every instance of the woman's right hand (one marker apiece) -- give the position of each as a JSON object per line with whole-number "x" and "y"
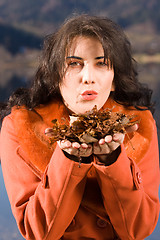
{"x": 76, "y": 149}
{"x": 72, "y": 148}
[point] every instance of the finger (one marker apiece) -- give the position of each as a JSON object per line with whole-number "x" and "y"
{"x": 49, "y": 132}
{"x": 113, "y": 146}
{"x": 76, "y": 145}
{"x": 65, "y": 144}
{"x": 84, "y": 145}
{"x": 101, "y": 141}
{"x": 104, "y": 149}
{"x": 132, "y": 128}
{"x": 101, "y": 148}
{"x": 77, "y": 150}
{"x": 69, "y": 149}
{"x": 85, "y": 152}
{"x": 118, "y": 137}
{"x": 108, "y": 138}
{"x": 72, "y": 151}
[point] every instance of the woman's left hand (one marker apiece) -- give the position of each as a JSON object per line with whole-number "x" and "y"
{"x": 108, "y": 147}
{"x": 108, "y": 144}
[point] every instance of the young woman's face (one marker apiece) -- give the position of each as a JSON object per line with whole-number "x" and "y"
{"x": 88, "y": 80}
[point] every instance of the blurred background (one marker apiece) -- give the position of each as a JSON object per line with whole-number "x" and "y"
{"x": 24, "y": 24}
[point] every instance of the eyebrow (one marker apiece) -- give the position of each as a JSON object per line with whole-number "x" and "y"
{"x": 101, "y": 57}
{"x": 75, "y": 57}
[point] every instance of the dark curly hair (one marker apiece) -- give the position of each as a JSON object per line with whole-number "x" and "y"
{"x": 45, "y": 87}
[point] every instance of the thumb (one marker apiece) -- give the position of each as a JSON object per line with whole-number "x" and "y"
{"x": 132, "y": 128}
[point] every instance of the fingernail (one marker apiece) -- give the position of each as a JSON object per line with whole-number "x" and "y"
{"x": 115, "y": 137}
{"x": 48, "y": 130}
{"x": 137, "y": 125}
{"x": 75, "y": 145}
{"x": 102, "y": 141}
{"x": 84, "y": 145}
{"x": 68, "y": 144}
{"x": 108, "y": 138}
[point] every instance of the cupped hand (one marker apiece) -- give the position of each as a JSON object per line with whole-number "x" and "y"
{"x": 76, "y": 149}
{"x": 101, "y": 148}
{"x": 109, "y": 144}
{"x": 72, "y": 148}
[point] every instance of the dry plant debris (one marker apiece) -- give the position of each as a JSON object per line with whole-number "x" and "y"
{"x": 91, "y": 126}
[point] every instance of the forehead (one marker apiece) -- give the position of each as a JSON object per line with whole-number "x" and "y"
{"x": 81, "y": 44}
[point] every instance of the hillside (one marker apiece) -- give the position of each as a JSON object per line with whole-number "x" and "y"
{"x": 40, "y": 15}
{"x": 15, "y": 40}
{"x": 24, "y": 23}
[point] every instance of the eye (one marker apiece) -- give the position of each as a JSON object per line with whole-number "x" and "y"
{"x": 74, "y": 63}
{"x": 102, "y": 64}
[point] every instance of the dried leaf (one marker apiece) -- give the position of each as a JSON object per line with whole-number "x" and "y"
{"x": 91, "y": 126}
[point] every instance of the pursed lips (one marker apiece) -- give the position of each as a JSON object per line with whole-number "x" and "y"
{"x": 89, "y": 95}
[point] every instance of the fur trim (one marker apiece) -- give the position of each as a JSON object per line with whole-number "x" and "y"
{"x": 30, "y": 126}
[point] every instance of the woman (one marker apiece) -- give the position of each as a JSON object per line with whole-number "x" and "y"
{"x": 114, "y": 193}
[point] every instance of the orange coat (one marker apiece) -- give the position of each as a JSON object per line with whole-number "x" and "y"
{"x": 52, "y": 198}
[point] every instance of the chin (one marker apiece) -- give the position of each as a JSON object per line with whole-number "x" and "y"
{"x": 87, "y": 107}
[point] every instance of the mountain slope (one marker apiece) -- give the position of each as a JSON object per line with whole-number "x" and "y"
{"x": 24, "y": 23}
{"x": 14, "y": 40}
{"x": 52, "y": 12}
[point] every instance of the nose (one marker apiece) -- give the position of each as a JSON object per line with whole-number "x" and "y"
{"x": 88, "y": 76}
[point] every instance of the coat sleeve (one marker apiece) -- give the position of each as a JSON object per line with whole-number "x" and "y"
{"x": 40, "y": 203}
{"x": 130, "y": 192}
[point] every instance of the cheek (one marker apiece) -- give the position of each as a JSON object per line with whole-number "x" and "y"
{"x": 69, "y": 81}
{"x": 63, "y": 90}
{"x": 64, "y": 85}
{"x": 68, "y": 93}
{"x": 108, "y": 83}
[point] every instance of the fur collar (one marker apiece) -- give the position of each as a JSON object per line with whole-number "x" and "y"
{"x": 30, "y": 127}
